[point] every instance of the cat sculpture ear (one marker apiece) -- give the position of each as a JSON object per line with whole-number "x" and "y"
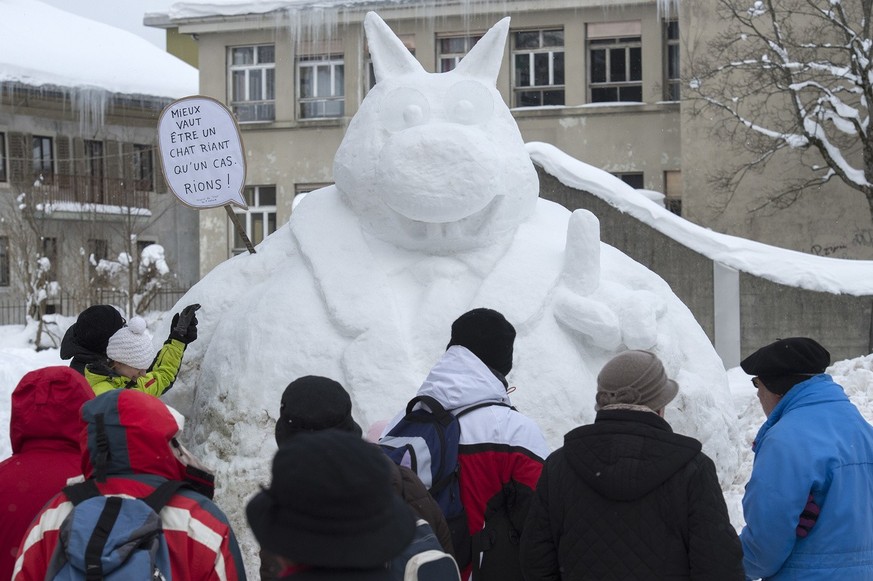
{"x": 484, "y": 59}
{"x": 390, "y": 57}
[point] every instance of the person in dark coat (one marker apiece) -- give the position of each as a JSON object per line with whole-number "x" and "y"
{"x": 86, "y": 339}
{"x": 626, "y": 498}
{"x": 330, "y": 512}
{"x": 312, "y": 404}
{"x": 44, "y": 429}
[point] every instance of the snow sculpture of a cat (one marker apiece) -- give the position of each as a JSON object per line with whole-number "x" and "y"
{"x": 435, "y": 211}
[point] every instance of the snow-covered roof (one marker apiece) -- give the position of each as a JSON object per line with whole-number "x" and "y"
{"x": 43, "y": 46}
{"x": 788, "y": 267}
{"x": 188, "y": 9}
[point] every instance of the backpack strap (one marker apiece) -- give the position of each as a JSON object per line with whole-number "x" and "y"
{"x": 101, "y": 460}
{"x": 436, "y": 408}
{"x": 439, "y": 485}
{"x": 81, "y": 491}
{"x": 108, "y": 516}
{"x": 161, "y": 495}
{"x": 157, "y": 500}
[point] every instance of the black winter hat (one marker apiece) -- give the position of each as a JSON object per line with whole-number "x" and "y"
{"x": 94, "y": 326}
{"x": 488, "y": 335}
{"x": 313, "y": 403}
{"x": 331, "y": 504}
{"x": 794, "y": 356}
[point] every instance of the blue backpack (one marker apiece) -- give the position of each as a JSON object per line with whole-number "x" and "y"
{"x": 113, "y": 538}
{"x": 423, "y": 559}
{"x": 427, "y": 443}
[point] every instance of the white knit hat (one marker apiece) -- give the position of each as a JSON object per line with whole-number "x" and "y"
{"x": 132, "y": 345}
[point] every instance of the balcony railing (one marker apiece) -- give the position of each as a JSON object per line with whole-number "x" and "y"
{"x": 78, "y": 189}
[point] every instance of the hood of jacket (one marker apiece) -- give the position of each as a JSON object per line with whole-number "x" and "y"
{"x": 626, "y": 454}
{"x": 460, "y": 379}
{"x": 138, "y": 430}
{"x": 70, "y": 349}
{"x": 45, "y": 408}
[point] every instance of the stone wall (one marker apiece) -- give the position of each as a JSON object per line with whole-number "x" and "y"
{"x": 767, "y": 310}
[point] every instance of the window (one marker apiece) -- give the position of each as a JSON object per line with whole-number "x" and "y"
{"x": 671, "y": 56}
{"x": 97, "y": 250}
{"x": 673, "y": 191}
{"x": 143, "y": 168}
{"x": 634, "y": 180}
{"x": 253, "y": 83}
{"x": 260, "y": 219}
{"x": 4, "y": 261}
{"x": 94, "y": 170}
{"x": 43, "y": 159}
{"x": 615, "y": 65}
{"x": 321, "y": 86}
{"x": 538, "y": 57}
{"x": 3, "y": 177}
{"x": 452, "y": 49}
{"x": 50, "y": 251}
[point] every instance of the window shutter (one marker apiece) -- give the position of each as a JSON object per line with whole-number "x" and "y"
{"x": 160, "y": 183}
{"x": 64, "y": 154}
{"x": 112, "y": 157}
{"x": 79, "y": 157}
{"x": 19, "y": 159}
{"x": 127, "y": 161}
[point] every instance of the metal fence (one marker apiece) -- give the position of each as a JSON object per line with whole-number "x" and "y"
{"x": 14, "y": 312}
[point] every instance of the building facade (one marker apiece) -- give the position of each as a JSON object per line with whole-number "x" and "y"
{"x": 602, "y": 81}
{"x": 85, "y": 190}
{"x": 599, "y": 83}
{"x": 80, "y": 174}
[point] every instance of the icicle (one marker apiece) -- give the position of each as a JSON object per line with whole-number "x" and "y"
{"x": 89, "y": 104}
{"x": 668, "y": 8}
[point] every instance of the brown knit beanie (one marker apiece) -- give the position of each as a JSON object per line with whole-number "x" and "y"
{"x": 635, "y": 377}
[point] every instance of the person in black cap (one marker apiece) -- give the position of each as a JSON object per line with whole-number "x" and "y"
{"x": 499, "y": 446}
{"x": 807, "y": 503}
{"x": 85, "y": 341}
{"x": 313, "y": 403}
{"x": 330, "y": 511}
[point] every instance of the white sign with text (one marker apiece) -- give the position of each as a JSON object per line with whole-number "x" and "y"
{"x": 202, "y": 153}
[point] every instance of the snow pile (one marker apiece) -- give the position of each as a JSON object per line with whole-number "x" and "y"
{"x": 91, "y": 60}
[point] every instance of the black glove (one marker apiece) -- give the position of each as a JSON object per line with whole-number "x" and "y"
{"x": 184, "y": 325}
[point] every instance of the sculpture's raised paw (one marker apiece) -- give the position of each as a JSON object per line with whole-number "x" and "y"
{"x": 595, "y": 321}
{"x": 606, "y": 314}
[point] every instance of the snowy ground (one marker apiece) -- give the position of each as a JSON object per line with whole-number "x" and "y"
{"x": 17, "y": 357}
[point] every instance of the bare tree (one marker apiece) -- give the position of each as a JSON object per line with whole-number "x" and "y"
{"x": 795, "y": 78}
{"x": 138, "y": 278}
{"x": 25, "y": 220}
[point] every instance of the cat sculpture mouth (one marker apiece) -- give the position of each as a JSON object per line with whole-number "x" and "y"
{"x": 459, "y": 234}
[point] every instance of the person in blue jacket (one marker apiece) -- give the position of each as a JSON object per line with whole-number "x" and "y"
{"x": 808, "y": 501}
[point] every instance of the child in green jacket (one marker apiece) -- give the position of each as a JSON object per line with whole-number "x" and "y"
{"x": 131, "y": 363}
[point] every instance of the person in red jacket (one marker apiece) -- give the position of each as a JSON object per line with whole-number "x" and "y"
{"x": 135, "y": 452}
{"x": 499, "y": 446}
{"x": 44, "y": 430}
